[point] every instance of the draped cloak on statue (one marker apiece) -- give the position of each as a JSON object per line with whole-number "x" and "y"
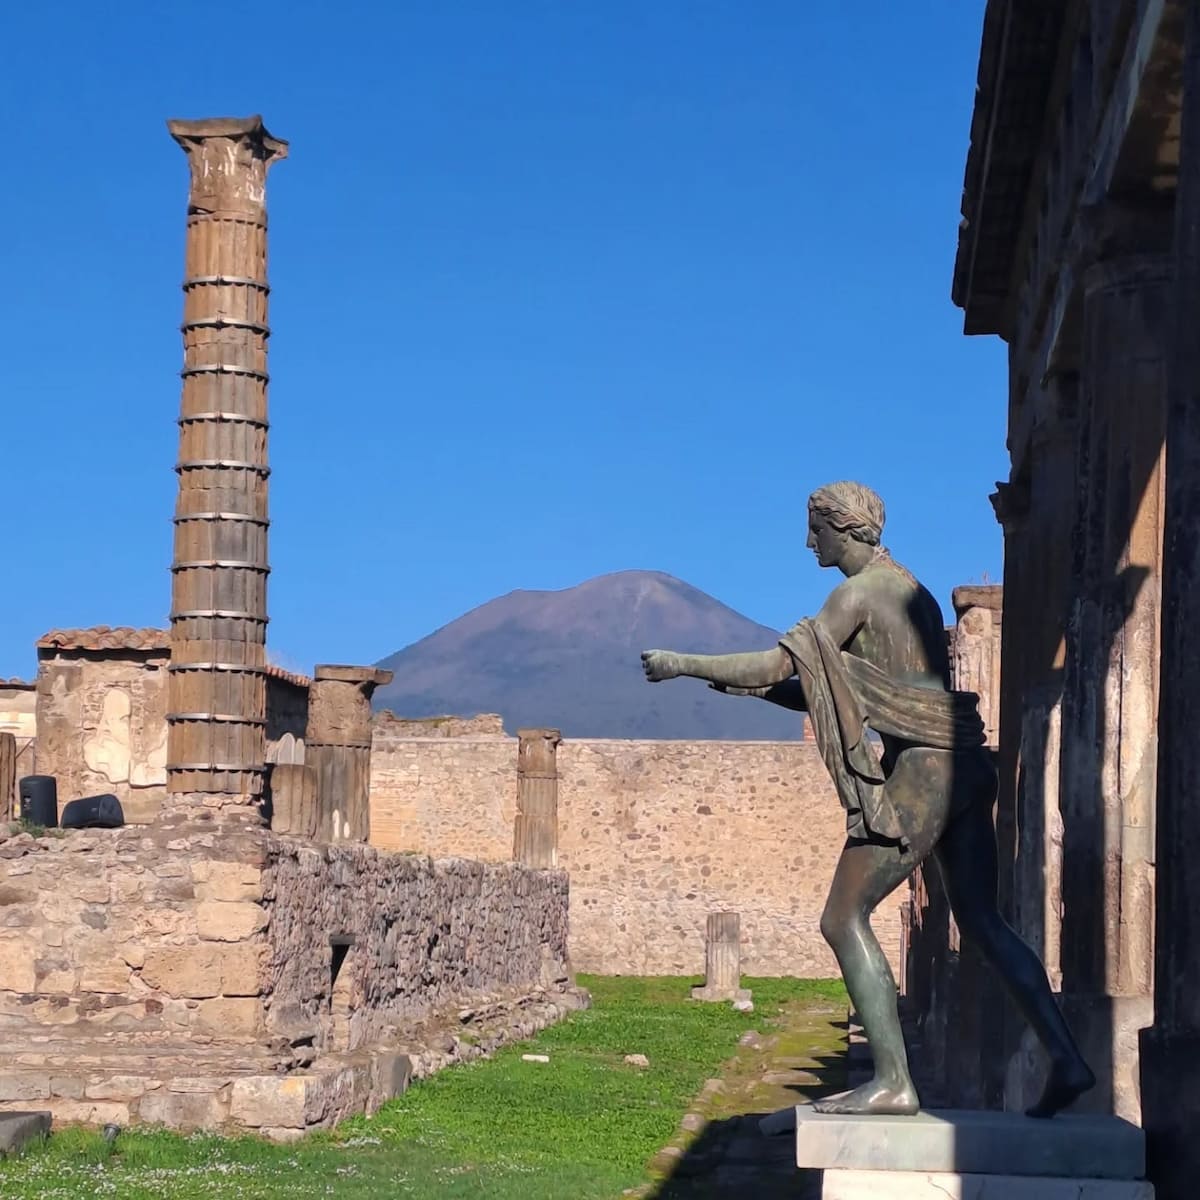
{"x": 845, "y": 697}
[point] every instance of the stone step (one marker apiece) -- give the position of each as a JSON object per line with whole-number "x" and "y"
{"x": 972, "y": 1143}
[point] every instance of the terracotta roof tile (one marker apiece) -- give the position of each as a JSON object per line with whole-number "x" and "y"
{"x": 275, "y": 672}
{"x": 104, "y": 637}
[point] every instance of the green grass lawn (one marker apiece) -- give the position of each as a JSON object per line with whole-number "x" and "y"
{"x": 582, "y": 1126}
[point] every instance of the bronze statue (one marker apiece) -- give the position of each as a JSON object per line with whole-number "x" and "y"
{"x": 875, "y": 658}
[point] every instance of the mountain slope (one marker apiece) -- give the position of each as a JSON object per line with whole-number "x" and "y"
{"x": 570, "y": 660}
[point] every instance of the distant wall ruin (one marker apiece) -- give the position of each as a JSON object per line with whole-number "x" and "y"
{"x": 18, "y": 717}
{"x": 101, "y": 714}
{"x": 654, "y": 835}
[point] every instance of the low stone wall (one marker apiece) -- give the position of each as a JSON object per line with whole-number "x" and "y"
{"x": 215, "y": 975}
{"x": 362, "y": 942}
{"x": 654, "y": 835}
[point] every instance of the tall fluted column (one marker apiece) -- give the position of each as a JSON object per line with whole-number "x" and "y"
{"x": 1171, "y": 1047}
{"x": 217, "y": 694}
{"x": 1109, "y": 718}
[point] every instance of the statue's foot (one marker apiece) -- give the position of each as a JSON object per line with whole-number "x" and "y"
{"x": 875, "y": 1098}
{"x": 1064, "y": 1085}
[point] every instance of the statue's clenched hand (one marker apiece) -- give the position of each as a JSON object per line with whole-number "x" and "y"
{"x": 660, "y": 665}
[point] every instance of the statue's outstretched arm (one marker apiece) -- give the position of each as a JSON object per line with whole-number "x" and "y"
{"x": 788, "y": 694}
{"x": 761, "y": 668}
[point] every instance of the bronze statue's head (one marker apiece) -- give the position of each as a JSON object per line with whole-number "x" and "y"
{"x": 840, "y": 514}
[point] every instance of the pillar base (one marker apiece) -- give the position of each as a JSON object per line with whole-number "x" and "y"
{"x": 1106, "y": 1029}
{"x": 713, "y": 994}
{"x": 1171, "y": 1111}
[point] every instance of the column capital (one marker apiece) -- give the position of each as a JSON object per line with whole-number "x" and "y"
{"x": 371, "y": 677}
{"x": 1011, "y": 503}
{"x": 229, "y": 157}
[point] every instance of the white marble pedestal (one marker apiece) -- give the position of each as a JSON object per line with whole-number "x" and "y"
{"x": 955, "y": 1155}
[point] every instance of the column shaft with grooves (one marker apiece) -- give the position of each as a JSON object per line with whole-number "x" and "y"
{"x": 535, "y": 830}
{"x": 723, "y": 951}
{"x": 338, "y": 748}
{"x": 217, "y": 692}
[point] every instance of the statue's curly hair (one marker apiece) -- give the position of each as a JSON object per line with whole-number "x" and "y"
{"x": 858, "y": 511}
{"x": 851, "y": 508}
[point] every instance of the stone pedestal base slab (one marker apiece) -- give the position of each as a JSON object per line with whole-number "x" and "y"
{"x": 972, "y": 1143}
{"x": 942, "y": 1185}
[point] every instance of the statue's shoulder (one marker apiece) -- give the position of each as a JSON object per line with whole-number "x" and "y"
{"x": 850, "y": 596}
{"x": 883, "y": 585}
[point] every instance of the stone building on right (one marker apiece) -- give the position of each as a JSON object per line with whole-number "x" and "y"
{"x": 1080, "y": 247}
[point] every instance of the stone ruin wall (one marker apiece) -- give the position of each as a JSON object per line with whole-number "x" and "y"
{"x": 101, "y": 716}
{"x": 18, "y": 716}
{"x": 654, "y": 835}
{"x": 414, "y": 935}
{"x": 186, "y": 977}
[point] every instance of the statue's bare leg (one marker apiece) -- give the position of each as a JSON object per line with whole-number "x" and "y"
{"x": 966, "y": 858}
{"x": 919, "y": 786}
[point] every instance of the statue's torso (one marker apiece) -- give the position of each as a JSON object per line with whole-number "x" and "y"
{"x": 901, "y": 631}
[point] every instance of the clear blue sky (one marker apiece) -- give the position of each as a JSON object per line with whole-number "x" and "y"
{"x": 559, "y": 289}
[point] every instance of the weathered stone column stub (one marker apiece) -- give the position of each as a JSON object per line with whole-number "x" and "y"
{"x": 338, "y": 748}
{"x": 722, "y": 959}
{"x": 217, "y": 701}
{"x": 535, "y": 830}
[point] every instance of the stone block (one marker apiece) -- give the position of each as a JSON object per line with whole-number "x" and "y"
{"x": 68, "y": 1087}
{"x": 17, "y": 971}
{"x": 18, "y": 1128}
{"x": 197, "y": 1083}
{"x": 972, "y": 1142}
{"x": 105, "y": 977}
{"x": 259, "y": 1101}
{"x": 182, "y": 1110}
{"x": 924, "y": 1185}
{"x": 390, "y": 1076}
{"x": 90, "y": 1112}
{"x": 24, "y": 1085}
{"x": 229, "y": 1018}
{"x": 119, "y": 1087}
{"x": 229, "y": 920}
{"x": 227, "y": 881}
{"x": 91, "y": 891}
{"x": 201, "y": 972}
{"x": 56, "y": 981}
